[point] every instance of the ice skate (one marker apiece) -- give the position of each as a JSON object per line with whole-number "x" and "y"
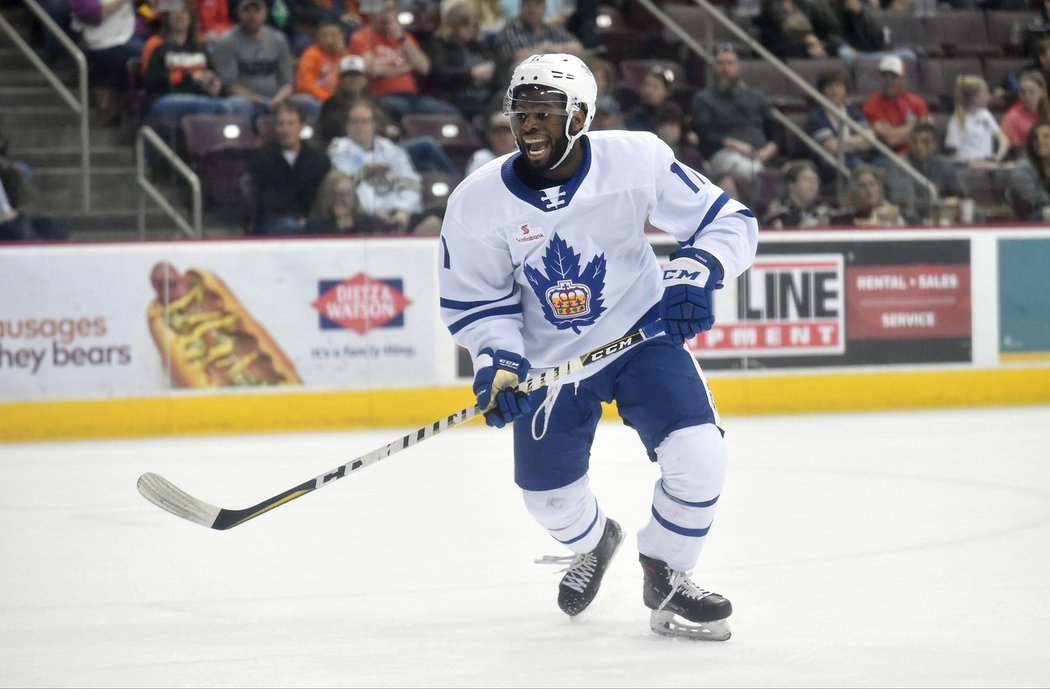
{"x": 584, "y": 575}
{"x": 680, "y": 608}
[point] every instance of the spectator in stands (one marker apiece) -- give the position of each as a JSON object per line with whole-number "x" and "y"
{"x": 336, "y": 210}
{"x": 892, "y": 111}
{"x": 1038, "y": 29}
{"x": 352, "y": 84}
{"x": 527, "y": 34}
{"x": 801, "y": 205}
{"x": 394, "y": 59}
{"x": 925, "y": 156}
{"x": 1033, "y": 105}
{"x": 346, "y": 13}
{"x": 1029, "y": 185}
{"x": 671, "y": 127}
{"x": 734, "y": 123}
{"x": 655, "y": 91}
{"x": 974, "y": 136}
{"x": 426, "y": 153}
{"x": 861, "y": 33}
{"x": 464, "y": 67}
{"x": 609, "y": 114}
{"x": 868, "y": 206}
{"x": 317, "y": 71}
{"x": 286, "y": 175}
{"x": 177, "y": 73}
{"x": 17, "y": 222}
{"x": 500, "y": 139}
{"x": 214, "y": 18}
{"x": 254, "y": 62}
{"x": 111, "y": 33}
{"x": 798, "y": 28}
{"x": 388, "y": 185}
{"x": 490, "y": 16}
{"x": 825, "y": 126}
{"x": 1008, "y": 89}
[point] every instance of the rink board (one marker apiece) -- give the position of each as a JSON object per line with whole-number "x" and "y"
{"x": 824, "y": 321}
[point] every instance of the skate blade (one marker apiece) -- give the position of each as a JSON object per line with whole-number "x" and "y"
{"x": 666, "y": 623}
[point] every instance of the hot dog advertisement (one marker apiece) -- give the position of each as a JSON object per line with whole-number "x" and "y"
{"x": 202, "y": 318}
{"x": 206, "y": 335}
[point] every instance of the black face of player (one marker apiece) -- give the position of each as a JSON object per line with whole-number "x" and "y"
{"x": 538, "y": 122}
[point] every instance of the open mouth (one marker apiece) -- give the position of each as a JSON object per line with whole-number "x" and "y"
{"x": 536, "y": 148}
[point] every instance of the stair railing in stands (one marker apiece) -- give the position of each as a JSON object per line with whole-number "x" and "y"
{"x": 790, "y": 74}
{"x": 79, "y": 103}
{"x": 148, "y": 135}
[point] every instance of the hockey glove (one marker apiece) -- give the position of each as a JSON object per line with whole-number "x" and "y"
{"x": 496, "y": 388}
{"x": 690, "y": 280}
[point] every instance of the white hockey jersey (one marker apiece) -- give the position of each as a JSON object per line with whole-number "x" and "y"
{"x": 555, "y": 273}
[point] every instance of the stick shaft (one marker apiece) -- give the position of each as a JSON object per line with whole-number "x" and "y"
{"x": 169, "y": 497}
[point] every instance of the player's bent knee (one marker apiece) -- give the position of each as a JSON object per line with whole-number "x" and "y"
{"x": 693, "y": 462}
{"x": 556, "y": 509}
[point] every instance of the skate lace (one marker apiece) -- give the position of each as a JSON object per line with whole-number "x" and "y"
{"x": 681, "y": 583}
{"x": 579, "y": 572}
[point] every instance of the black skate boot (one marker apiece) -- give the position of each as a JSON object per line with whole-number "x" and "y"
{"x": 668, "y": 593}
{"x": 584, "y": 574}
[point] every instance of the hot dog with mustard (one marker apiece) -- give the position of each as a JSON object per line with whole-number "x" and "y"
{"x": 206, "y": 336}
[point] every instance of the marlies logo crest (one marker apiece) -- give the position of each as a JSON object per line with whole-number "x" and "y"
{"x": 570, "y": 299}
{"x": 361, "y": 303}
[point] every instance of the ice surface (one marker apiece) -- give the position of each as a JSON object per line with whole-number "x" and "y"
{"x": 882, "y": 549}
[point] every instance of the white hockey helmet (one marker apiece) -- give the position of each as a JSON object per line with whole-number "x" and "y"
{"x": 561, "y": 72}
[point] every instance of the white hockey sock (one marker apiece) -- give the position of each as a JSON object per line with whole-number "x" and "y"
{"x": 569, "y": 514}
{"x": 693, "y": 464}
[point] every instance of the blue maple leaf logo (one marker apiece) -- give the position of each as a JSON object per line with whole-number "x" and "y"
{"x": 570, "y": 299}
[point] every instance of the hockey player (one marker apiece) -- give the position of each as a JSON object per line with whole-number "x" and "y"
{"x": 543, "y": 257}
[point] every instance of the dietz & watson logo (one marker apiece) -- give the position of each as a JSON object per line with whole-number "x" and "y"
{"x": 361, "y": 303}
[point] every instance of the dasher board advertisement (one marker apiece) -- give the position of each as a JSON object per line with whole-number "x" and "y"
{"x": 838, "y": 303}
{"x": 134, "y": 320}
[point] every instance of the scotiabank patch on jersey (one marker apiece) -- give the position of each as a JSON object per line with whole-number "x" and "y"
{"x": 361, "y": 303}
{"x": 571, "y": 298}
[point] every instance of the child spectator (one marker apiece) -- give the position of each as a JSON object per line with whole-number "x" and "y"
{"x": 973, "y": 134}
{"x": 1032, "y": 105}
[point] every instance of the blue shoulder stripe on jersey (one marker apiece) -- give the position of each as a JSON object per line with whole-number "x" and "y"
{"x": 466, "y": 305}
{"x": 497, "y": 311}
{"x": 531, "y": 196}
{"x": 711, "y": 214}
{"x": 681, "y": 530}
{"x": 706, "y": 503}
{"x": 588, "y": 529}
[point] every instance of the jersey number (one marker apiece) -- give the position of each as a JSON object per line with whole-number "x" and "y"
{"x": 677, "y": 169}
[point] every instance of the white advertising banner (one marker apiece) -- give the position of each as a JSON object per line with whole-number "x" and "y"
{"x": 123, "y": 320}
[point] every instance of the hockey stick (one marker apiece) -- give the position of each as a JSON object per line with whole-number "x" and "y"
{"x": 167, "y": 496}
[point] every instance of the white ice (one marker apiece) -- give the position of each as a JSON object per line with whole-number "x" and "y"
{"x": 881, "y": 549}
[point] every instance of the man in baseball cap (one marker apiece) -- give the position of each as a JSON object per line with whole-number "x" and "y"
{"x": 893, "y": 110}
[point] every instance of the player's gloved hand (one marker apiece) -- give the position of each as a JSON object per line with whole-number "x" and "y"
{"x": 496, "y": 388}
{"x": 690, "y": 280}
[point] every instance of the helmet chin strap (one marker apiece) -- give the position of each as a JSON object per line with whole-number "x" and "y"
{"x": 568, "y": 148}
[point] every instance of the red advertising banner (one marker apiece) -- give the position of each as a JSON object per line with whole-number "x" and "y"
{"x": 908, "y": 301}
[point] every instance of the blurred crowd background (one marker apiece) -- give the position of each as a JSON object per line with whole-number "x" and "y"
{"x": 319, "y": 117}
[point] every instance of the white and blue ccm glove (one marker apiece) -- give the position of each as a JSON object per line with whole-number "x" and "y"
{"x": 690, "y": 280}
{"x": 496, "y": 388}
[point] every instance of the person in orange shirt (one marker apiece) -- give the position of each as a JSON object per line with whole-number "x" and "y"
{"x": 394, "y": 59}
{"x": 317, "y": 74}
